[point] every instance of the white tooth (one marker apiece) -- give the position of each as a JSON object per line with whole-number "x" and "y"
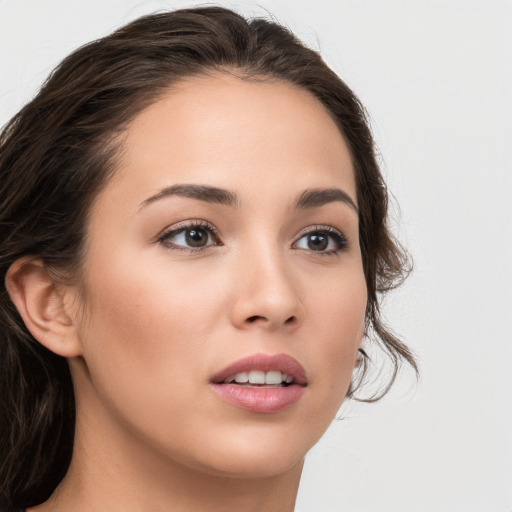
{"x": 229, "y": 379}
{"x": 256, "y": 377}
{"x": 242, "y": 377}
{"x": 273, "y": 377}
{"x": 285, "y": 375}
{"x": 288, "y": 379}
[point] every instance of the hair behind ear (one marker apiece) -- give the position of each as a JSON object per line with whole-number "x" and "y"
{"x": 37, "y": 407}
{"x": 37, "y": 414}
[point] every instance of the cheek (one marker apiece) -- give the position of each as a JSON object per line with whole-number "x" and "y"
{"x": 146, "y": 305}
{"x": 337, "y": 328}
{"x": 145, "y": 328}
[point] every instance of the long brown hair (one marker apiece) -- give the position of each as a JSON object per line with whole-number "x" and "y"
{"x": 60, "y": 149}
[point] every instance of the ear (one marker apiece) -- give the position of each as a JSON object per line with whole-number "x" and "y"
{"x": 361, "y": 354}
{"x": 41, "y": 304}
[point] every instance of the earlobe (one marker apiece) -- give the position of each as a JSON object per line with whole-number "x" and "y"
{"x": 40, "y": 303}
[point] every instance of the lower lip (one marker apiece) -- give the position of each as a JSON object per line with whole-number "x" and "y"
{"x": 259, "y": 399}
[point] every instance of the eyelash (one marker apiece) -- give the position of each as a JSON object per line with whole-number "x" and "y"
{"x": 337, "y": 236}
{"x": 334, "y": 234}
{"x": 189, "y": 225}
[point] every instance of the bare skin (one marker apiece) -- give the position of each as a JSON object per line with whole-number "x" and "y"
{"x": 158, "y": 317}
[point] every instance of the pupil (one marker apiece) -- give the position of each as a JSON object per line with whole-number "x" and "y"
{"x": 318, "y": 242}
{"x": 196, "y": 237}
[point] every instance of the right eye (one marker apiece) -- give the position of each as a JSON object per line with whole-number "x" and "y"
{"x": 191, "y": 237}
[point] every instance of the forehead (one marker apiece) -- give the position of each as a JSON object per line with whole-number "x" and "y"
{"x": 234, "y": 133}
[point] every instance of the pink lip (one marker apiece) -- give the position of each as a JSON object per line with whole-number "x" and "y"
{"x": 265, "y": 363}
{"x": 261, "y": 399}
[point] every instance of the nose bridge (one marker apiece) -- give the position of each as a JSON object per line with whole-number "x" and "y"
{"x": 266, "y": 292}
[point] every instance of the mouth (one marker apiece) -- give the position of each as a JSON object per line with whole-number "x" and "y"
{"x": 261, "y": 383}
{"x": 279, "y": 370}
{"x": 259, "y": 378}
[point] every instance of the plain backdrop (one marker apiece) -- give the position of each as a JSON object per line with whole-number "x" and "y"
{"x": 436, "y": 78}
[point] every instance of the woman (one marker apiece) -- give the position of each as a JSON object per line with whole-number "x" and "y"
{"x": 193, "y": 240}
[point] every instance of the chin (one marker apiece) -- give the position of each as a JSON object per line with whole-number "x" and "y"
{"x": 256, "y": 453}
{"x": 262, "y": 465}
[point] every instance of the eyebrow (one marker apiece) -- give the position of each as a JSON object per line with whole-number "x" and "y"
{"x": 310, "y": 198}
{"x": 201, "y": 192}
{"x": 316, "y": 197}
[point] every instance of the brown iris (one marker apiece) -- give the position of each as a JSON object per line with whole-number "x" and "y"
{"x": 318, "y": 241}
{"x": 196, "y": 237}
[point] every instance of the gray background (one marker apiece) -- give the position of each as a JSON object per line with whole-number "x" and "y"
{"x": 436, "y": 78}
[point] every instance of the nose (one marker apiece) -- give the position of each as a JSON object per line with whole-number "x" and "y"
{"x": 266, "y": 294}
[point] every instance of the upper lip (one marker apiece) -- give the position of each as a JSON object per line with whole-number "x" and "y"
{"x": 266, "y": 363}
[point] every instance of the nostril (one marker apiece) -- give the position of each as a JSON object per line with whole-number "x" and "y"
{"x": 253, "y": 319}
{"x": 290, "y": 320}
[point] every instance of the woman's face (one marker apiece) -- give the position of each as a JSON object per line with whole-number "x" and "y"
{"x": 226, "y": 244}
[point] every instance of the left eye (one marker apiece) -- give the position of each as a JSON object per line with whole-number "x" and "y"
{"x": 322, "y": 241}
